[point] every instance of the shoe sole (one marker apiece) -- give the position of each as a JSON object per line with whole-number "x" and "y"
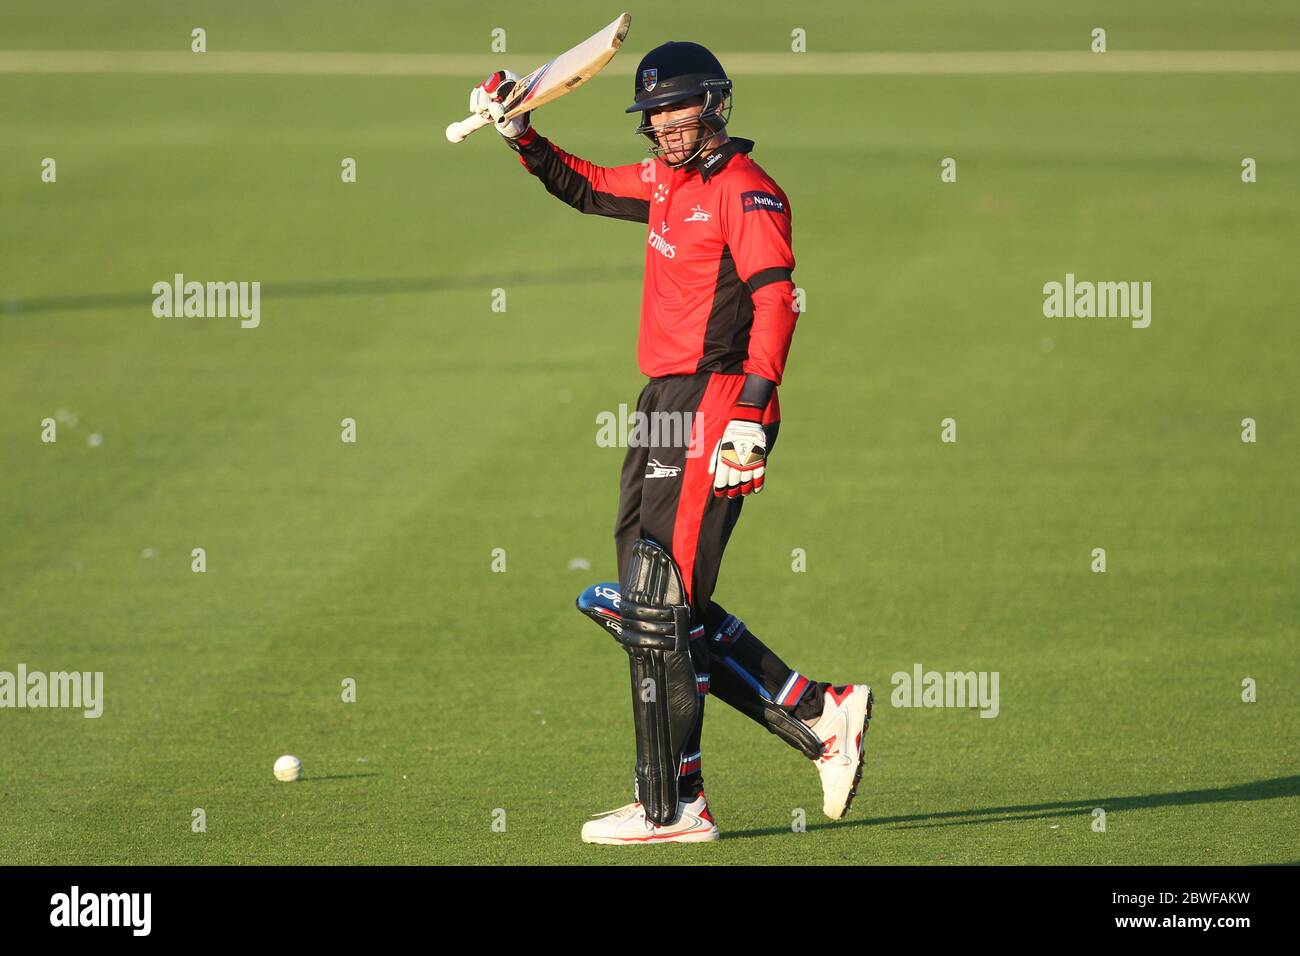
{"x": 707, "y": 836}
{"x": 862, "y": 750}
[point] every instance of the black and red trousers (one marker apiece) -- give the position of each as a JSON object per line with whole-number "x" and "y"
{"x": 666, "y": 495}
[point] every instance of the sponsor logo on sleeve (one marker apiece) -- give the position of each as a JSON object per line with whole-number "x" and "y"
{"x": 657, "y": 469}
{"x": 757, "y": 200}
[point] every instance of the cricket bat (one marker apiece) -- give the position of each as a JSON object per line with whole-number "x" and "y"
{"x": 551, "y": 80}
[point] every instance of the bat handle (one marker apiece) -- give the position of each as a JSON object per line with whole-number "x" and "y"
{"x": 457, "y": 132}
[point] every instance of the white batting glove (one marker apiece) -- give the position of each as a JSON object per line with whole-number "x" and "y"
{"x": 487, "y": 98}
{"x": 739, "y": 460}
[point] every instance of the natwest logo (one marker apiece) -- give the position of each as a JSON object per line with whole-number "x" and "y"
{"x": 756, "y": 199}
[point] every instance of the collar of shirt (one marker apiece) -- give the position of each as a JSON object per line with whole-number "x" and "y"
{"x": 712, "y": 163}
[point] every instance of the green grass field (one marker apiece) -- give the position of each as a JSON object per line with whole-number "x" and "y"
{"x": 479, "y": 691}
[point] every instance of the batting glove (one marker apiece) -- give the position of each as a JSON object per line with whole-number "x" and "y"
{"x": 487, "y": 100}
{"x": 739, "y": 459}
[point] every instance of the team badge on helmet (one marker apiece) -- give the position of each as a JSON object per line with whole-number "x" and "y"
{"x": 649, "y": 80}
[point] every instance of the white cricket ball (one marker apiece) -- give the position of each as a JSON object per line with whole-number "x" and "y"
{"x": 288, "y": 768}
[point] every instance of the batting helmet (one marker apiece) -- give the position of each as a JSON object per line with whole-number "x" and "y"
{"x": 678, "y": 71}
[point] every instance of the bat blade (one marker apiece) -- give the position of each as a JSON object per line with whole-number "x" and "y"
{"x": 554, "y": 78}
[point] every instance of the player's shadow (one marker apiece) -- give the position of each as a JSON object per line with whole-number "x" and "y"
{"x": 1274, "y": 789}
{"x": 317, "y": 288}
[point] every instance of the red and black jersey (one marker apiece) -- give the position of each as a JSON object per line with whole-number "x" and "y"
{"x": 718, "y": 293}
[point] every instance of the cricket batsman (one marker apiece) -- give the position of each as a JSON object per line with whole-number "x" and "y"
{"x": 717, "y": 317}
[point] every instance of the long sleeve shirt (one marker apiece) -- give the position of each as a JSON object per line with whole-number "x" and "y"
{"x": 718, "y": 292}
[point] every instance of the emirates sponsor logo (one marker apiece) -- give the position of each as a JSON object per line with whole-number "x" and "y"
{"x": 662, "y": 245}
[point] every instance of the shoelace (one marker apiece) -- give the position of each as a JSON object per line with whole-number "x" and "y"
{"x": 631, "y": 810}
{"x": 620, "y": 812}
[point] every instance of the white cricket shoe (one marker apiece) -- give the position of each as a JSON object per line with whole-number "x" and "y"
{"x": 842, "y": 729}
{"x": 629, "y": 825}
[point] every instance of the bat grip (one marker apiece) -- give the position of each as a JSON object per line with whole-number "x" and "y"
{"x": 457, "y": 132}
